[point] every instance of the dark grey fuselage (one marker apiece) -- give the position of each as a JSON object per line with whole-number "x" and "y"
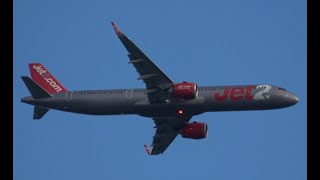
{"x": 135, "y": 101}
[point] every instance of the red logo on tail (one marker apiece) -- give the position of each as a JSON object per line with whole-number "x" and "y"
{"x": 43, "y": 77}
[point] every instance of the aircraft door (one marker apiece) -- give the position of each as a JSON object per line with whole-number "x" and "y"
{"x": 68, "y": 95}
{"x": 129, "y": 93}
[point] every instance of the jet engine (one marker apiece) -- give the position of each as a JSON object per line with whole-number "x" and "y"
{"x": 184, "y": 90}
{"x": 195, "y": 130}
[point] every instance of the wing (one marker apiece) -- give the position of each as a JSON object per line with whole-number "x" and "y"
{"x": 157, "y": 83}
{"x": 167, "y": 130}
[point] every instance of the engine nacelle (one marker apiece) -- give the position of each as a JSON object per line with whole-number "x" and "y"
{"x": 184, "y": 90}
{"x": 195, "y": 130}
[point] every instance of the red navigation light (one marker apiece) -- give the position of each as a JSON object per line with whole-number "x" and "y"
{"x": 180, "y": 111}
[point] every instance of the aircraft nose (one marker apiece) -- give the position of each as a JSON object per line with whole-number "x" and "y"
{"x": 292, "y": 99}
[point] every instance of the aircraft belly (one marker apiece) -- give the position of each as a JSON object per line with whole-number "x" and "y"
{"x": 241, "y": 105}
{"x": 166, "y": 109}
{"x": 100, "y": 105}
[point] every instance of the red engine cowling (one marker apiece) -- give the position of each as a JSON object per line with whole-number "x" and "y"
{"x": 184, "y": 90}
{"x": 195, "y": 130}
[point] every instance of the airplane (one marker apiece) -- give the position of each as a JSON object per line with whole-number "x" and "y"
{"x": 171, "y": 105}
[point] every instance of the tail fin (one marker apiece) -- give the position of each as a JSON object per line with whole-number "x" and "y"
{"x": 43, "y": 77}
{"x": 35, "y": 89}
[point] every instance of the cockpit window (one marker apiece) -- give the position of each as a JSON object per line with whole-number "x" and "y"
{"x": 282, "y": 89}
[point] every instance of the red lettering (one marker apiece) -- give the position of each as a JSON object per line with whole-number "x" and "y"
{"x": 236, "y": 93}
{"x": 224, "y": 95}
{"x": 248, "y": 92}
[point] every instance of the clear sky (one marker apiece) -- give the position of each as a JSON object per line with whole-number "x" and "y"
{"x": 214, "y": 42}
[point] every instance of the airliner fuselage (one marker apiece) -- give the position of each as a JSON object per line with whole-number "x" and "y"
{"x": 135, "y": 101}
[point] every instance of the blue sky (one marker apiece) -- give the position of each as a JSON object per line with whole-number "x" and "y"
{"x": 220, "y": 42}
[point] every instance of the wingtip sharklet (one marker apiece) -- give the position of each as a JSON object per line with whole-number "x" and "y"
{"x": 116, "y": 29}
{"x": 147, "y": 149}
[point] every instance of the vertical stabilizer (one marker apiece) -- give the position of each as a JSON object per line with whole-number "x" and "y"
{"x": 35, "y": 89}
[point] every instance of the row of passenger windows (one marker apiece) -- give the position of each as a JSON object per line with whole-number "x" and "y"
{"x": 221, "y": 88}
{"x": 110, "y": 92}
{"x": 262, "y": 87}
{"x": 282, "y": 89}
{"x": 143, "y": 91}
{"x": 102, "y": 92}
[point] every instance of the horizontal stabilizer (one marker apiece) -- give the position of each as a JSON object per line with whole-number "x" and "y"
{"x": 36, "y": 91}
{"x": 39, "y": 112}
